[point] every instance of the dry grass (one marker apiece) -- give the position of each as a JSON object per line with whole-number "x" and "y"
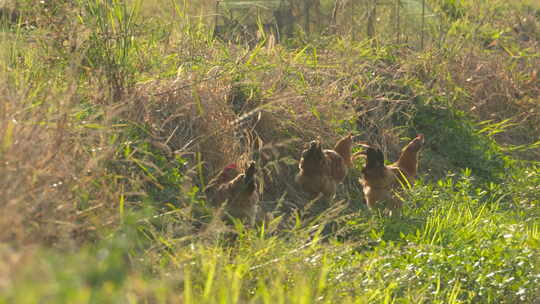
{"x": 494, "y": 87}
{"x": 48, "y": 160}
{"x": 116, "y": 168}
{"x": 199, "y": 123}
{"x": 264, "y": 103}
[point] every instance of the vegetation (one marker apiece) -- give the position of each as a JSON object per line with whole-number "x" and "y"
{"x": 114, "y": 115}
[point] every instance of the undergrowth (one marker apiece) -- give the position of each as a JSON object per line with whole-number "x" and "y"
{"x": 115, "y": 115}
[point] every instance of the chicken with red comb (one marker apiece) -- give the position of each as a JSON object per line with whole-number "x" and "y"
{"x": 236, "y": 192}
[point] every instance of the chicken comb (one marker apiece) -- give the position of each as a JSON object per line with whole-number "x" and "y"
{"x": 230, "y": 167}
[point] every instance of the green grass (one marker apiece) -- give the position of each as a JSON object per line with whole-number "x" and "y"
{"x": 459, "y": 244}
{"x": 114, "y": 115}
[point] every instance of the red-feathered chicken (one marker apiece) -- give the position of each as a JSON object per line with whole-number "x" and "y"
{"x": 380, "y": 181}
{"x": 322, "y": 170}
{"x": 237, "y": 191}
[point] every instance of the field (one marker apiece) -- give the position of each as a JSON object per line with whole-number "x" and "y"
{"x": 115, "y": 115}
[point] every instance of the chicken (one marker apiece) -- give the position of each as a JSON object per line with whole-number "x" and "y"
{"x": 380, "y": 181}
{"x": 322, "y": 170}
{"x": 236, "y": 193}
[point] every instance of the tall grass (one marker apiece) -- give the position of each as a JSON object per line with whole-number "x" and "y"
{"x": 115, "y": 115}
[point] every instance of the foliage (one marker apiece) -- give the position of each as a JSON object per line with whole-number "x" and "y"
{"x": 116, "y": 114}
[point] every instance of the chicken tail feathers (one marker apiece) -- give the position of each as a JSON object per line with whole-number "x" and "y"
{"x": 343, "y": 148}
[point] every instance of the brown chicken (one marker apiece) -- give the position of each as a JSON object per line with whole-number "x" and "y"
{"x": 380, "y": 181}
{"x": 322, "y": 170}
{"x": 236, "y": 192}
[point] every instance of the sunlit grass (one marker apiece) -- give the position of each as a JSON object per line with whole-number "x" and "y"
{"x": 113, "y": 119}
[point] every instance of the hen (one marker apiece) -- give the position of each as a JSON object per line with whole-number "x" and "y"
{"x": 236, "y": 192}
{"x": 322, "y": 170}
{"x": 380, "y": 181}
